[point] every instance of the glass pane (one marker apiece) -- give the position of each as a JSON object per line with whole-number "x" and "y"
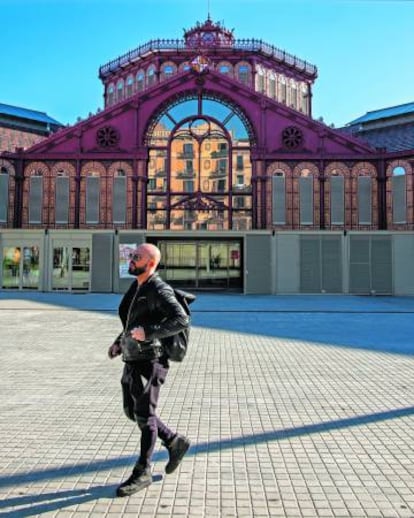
{"x": 179, "y": 263}
{"x": 80, "y": 268}
{"x": 157, "y": 171}
{"x": 157, "y": 219}
{"x": 30, "y": 267}
{"x": 60, "y": 273}
{"x": 11, "y": 267}
{"x": 242, "y": 220}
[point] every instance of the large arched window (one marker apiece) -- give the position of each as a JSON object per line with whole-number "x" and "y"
{"x": 199, "y": 172}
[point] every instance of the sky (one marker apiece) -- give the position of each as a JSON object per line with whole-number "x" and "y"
{"x": 51, "y": 50}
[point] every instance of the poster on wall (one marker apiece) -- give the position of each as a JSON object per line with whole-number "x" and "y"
{"x": 125, "y": 250}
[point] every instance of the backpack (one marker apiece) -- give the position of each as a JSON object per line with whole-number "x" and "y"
{"x": 176, "y": 345}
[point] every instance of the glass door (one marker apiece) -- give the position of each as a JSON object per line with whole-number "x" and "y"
{"x": 20, "y": 267}
{"x": 71, "y": 268}
{"x": 202, "y": 264}
{"x": 179, "y": 263}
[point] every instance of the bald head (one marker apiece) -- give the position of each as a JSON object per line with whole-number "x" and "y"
{"x": 151, "y": 251}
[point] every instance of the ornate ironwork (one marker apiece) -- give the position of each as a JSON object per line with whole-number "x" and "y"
{"x": 250, "y": 45}
{"x": 199, "y": 202}
{"x": 107, "y": 137}
{"x": 292, "y": 137}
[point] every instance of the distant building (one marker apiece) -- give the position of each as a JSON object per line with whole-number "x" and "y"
{"x": 391, "y": 128}
{"x": 22, "y": 128}
{"x": 207, "y": 147}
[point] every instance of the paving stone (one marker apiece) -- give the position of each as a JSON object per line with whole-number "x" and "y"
{"x": 299, "y": 413}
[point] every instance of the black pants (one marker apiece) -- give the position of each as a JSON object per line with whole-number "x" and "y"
{"x": 141, "y": 383}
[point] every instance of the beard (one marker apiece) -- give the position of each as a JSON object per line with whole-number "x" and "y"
{"x": 136, "y": 270}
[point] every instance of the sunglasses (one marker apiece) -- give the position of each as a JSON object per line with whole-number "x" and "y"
{"x": 135, "y": 257}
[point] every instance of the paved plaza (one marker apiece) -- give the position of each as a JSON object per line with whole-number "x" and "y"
{"x": 297, "y": 406}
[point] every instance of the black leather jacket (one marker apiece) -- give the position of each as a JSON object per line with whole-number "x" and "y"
{"x": 154, "y": 307}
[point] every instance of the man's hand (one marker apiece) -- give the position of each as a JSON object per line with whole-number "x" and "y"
{"x": 114, "y": 350}
{"x": 138, "y": 333}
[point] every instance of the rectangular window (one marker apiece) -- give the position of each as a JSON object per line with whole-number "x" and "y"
{"x": 62, "y": 200}
{"x": 221, "y": 185}
{"x": 399, "y": 201}
{"x": 119, "y": 200}
{"x": 189, "y": 166}
{"x": 364, "y": 200}
{"x": 222, "y": 166}
{"x": 188, "y": 150}
{"x": 239, "y": 163}
{"x": 92, "y": 199}
{"x": 35, "y": 199}
{"x": 4, "y": 197}
{"x": 278, "y": 200}
{"x": 306, "y": 200}
{"x": 272, "y": 88}
{"x": 337, "y": 200}
{"x": 188, "y": 185}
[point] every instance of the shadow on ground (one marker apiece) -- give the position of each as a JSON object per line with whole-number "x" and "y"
{"x": 29, "y": 505}
{"x": 377, "y": 323}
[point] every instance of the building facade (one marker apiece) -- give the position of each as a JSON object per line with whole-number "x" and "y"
{"x": 207, "y": 147}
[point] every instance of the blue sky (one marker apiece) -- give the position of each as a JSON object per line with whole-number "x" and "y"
{"x": 51, "y": 50}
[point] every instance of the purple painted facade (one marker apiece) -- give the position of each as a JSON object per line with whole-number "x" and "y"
{"x": 297, "y": 173}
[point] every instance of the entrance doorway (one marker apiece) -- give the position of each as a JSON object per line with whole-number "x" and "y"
{"x": 202, "y": 264}
{"x": 71, "y": 268}
{"x": 20, "y": 267}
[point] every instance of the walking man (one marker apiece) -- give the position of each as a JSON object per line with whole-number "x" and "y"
{"x": 149, "y": 312}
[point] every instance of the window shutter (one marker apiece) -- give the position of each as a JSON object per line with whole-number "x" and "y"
{"x": 92, "y": 199}
{"x": 4, "y": 197}
{"x": 119, "y": 200}
{"x": 364, "y": 200}
{"x": 399, "y": 205}
{"x": 62, "y": 200}
{"x": 278, "y": 200}
{"x": 337, "y": 200}
{"x": 35, "y": 199}
{"x": 306, "y": 200}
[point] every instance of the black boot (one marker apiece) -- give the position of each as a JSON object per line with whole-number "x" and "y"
{"x": 177, "y": 449}
{"x": 140, "y": 478}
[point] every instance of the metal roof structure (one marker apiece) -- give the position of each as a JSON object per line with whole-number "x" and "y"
{"x": 384, "y": 113}
{"x": 24, "y": 113}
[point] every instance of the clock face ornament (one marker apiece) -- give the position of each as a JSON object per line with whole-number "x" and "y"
{"x": 207, "y": 38}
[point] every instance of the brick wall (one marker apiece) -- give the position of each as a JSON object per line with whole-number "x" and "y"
{"x": 10, "y": 139}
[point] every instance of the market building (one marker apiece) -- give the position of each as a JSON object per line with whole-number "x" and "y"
{"x": 207, "y": 147}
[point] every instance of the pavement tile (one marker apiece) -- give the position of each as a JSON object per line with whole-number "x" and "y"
{"x": 296, "y": 407}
